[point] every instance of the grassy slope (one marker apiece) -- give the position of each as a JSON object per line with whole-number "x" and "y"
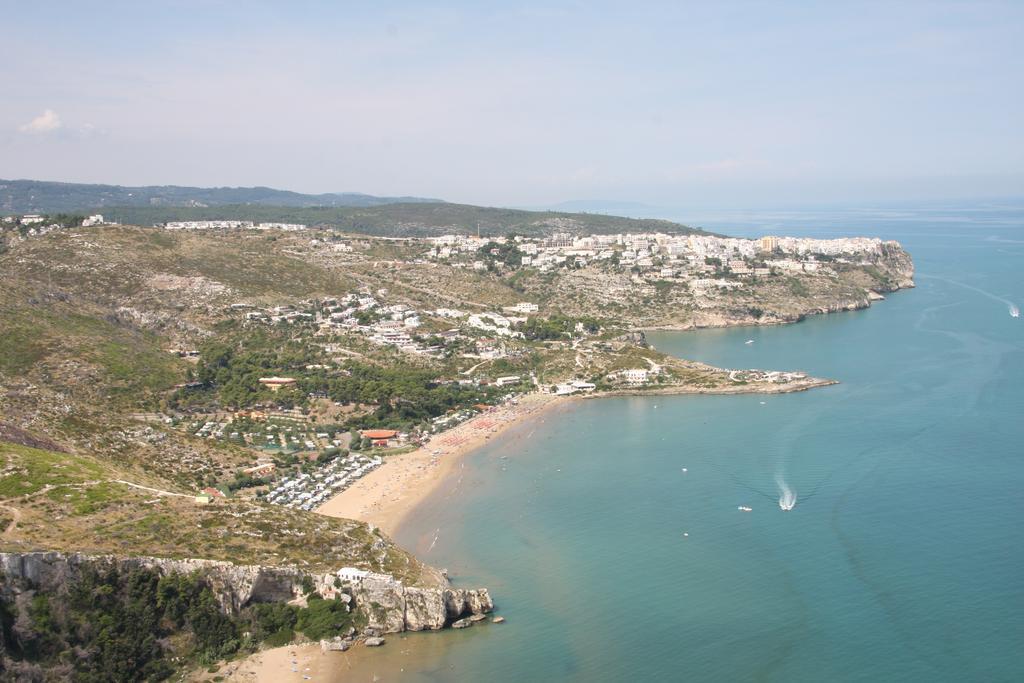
{"x": 85, "y": 322}
{"x": 70, "y": 502}
{"x": 86, "y": 319}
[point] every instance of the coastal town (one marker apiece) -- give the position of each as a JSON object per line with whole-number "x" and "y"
{"x": 699, "y": 261}
{"x": 277, "y": 378}
{"x": 323, "y": 415}
{"x": 511, "y": 342}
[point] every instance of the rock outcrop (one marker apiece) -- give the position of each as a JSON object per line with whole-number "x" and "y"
{"x": 391, "y": 607}
{"x": 388, "y": 605}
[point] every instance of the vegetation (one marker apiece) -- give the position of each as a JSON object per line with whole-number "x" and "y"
{"x": 233, "y": 368}
{"x": 506, "y": 253}
{"x": 404, "y": 219}
{"x": 69, "y": 502}
{"x": 111, "y": 626}
{"x": 403, "y": 395}
{"x": 37, "y": 196}
{"x": 555, "y": 327}
{"x": 106, "y": 331}
{"x": 136, "y": 624}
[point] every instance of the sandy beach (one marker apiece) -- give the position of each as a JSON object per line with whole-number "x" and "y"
{"x": 385, "y": 496}
{"x": 403, "y": 653}
{"x": 293, "y": 663}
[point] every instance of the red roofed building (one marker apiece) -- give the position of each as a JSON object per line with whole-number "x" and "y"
{"x": 380, "y": 437}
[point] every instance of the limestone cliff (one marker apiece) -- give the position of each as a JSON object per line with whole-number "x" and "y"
{"x": 387, "y": 605}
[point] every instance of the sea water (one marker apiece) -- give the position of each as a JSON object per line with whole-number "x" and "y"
{"x": 609, "y": 533}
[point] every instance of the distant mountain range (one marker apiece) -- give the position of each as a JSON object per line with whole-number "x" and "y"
{"x": 39, "y": 196}
{"x": 349, "y": 212}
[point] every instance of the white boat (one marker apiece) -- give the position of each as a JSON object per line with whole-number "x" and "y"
{"x": 749, "y": 341}
{"x": 787, "y": 496}
{"x": 744, "y": 508}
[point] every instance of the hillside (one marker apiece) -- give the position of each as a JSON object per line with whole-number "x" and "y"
{"x": 410, "y": 220}
{"x": 38, "y": 196}
{"x": 100, "y": 325}
{"x": 200, "y": 393}
{"x": 378, "y": 216}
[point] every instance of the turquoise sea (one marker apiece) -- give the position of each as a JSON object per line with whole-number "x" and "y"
{"x": 903, "y": 559}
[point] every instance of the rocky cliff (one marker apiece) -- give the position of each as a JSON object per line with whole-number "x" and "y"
{"x": 387, "y": 605}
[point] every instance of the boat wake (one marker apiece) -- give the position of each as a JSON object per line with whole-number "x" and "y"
{"x": 1013, "y": 308}
{"x": 787, "y": 496}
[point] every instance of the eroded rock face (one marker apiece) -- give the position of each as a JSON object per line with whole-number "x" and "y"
{"x": 383, "y": 603}
{"x": 389, "y": 606}
{"x": 455, "y": 602}
{"x": 336, "y": 644}
{"x": 425, "y": 609}
{"x": 478, "y": 601}
{"x": 234, "y": 586}
{"x": 422, "y": 608}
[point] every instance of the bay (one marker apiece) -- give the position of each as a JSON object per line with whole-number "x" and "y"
{"x": 902, "y": 560}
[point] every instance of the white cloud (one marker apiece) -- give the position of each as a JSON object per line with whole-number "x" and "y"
{"x": 44, "y": 123}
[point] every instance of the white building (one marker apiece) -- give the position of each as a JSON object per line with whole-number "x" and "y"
{"x": 634, "y": 376}
{"x": 291, "y": 227}
{"x": 208, "y": 225}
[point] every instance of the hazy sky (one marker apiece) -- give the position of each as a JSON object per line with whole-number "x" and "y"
{"x": 522, "y": 103}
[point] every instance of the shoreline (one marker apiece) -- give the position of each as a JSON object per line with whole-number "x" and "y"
{"x": 777, "y": 322}
{"x": 387, "y": 495}
{"x": 760, "y": 388}
{"x": 294, "y": 662}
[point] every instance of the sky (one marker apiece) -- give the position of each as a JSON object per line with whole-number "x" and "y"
{"x": 522, "y": 103}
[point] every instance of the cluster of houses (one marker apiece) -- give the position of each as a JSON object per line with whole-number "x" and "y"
{"x": 34, "y": 225}
{"x": 231, "y": 225}
{"x": 768, "y": 376}
{"x": 306, "y": 491}
{"x": 280, "y": 429}
{"x": 392, "y": 324}
{"x": 694, "y": 258}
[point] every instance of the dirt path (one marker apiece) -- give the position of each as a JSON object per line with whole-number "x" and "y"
{"x": 153, "y": 490}
{"x": 13, "y": 526}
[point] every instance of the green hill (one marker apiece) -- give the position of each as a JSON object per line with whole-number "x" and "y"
{"x": 356, "y": 213}
{"x": 40, "y": 196}
{"x": 408, "y": 219}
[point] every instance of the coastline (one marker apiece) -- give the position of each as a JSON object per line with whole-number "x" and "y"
{"x": 296, "y": 662}
{"x": 386, "y": 496}
{"x": 761, "y": 388}
{"x": 721, "y": 323}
